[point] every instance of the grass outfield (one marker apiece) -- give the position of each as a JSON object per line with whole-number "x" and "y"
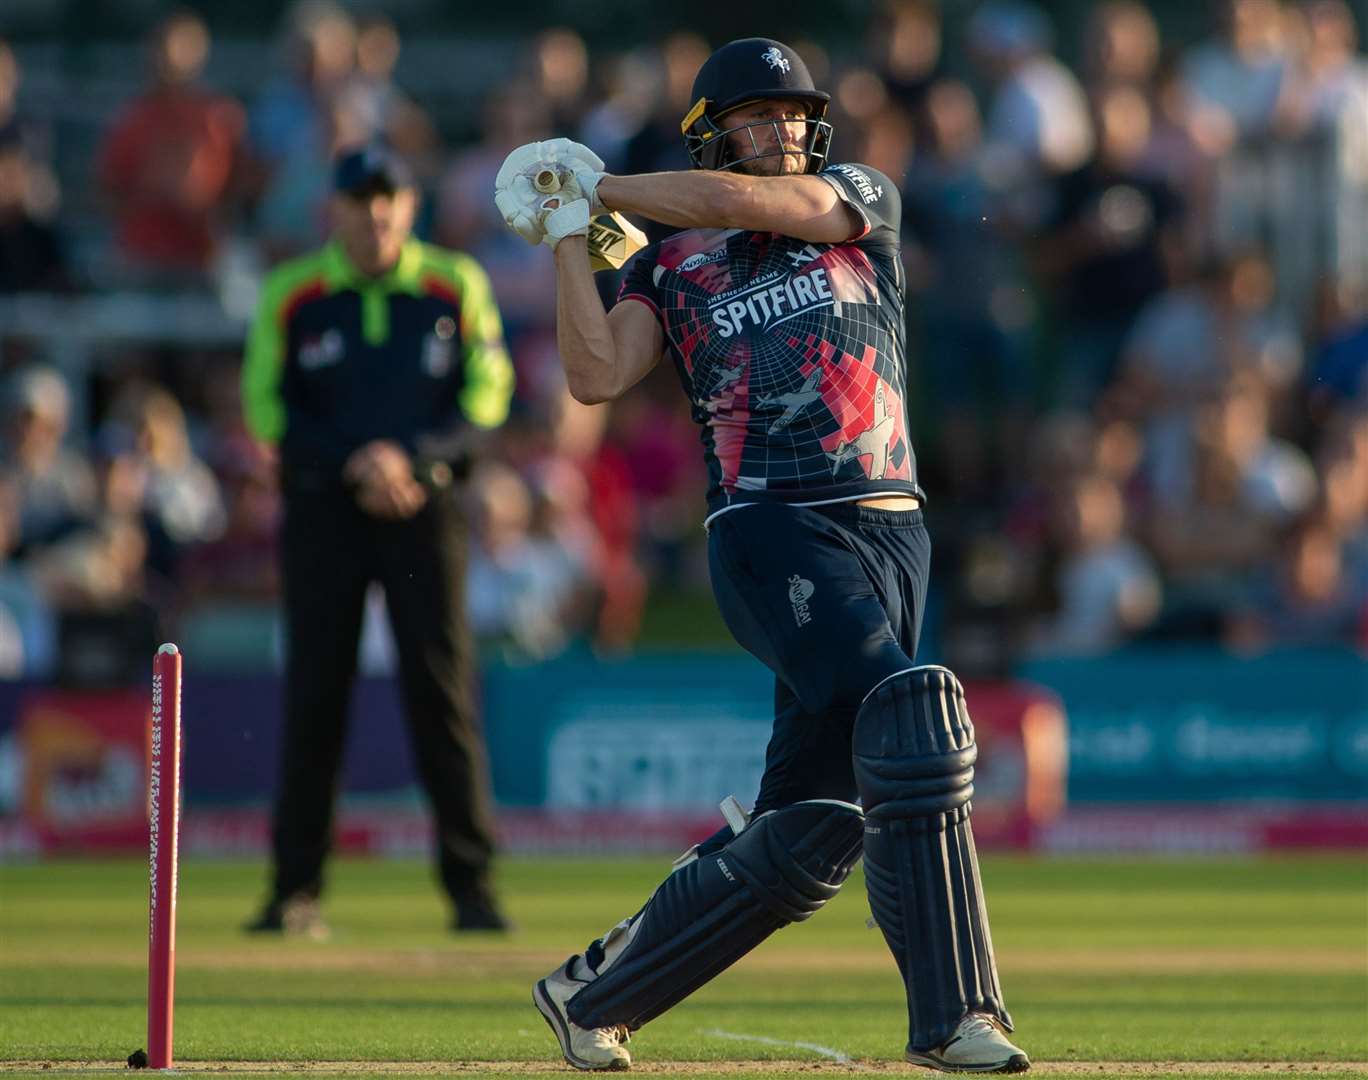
{"x": 1227, "y": 968}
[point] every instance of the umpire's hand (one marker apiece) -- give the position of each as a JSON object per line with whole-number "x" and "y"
{"x": 382, "y": 473}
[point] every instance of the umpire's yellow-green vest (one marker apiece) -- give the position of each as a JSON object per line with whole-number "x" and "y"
{"x": 336, "y": 359}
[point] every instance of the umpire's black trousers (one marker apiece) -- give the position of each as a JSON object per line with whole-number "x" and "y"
{"x": 331, "y": 552}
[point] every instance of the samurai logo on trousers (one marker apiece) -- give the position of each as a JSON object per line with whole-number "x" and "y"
{"x": 799, "y": 593}
{"x": 775, "y": 58}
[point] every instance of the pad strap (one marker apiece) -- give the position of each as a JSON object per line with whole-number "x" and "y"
{"x": 782, "y": 868}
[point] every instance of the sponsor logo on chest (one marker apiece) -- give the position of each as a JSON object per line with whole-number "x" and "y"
{"x": 322, "y": 351}
{"x": 775, "y": 299}
{"x": 702, "y": 258}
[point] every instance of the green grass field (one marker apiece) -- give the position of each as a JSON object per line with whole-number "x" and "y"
{"x": 1228, "y": 968}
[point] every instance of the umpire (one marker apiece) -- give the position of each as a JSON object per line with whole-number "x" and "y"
{"x": 368, "y": 365}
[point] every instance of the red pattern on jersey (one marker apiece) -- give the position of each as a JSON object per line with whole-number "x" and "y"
{"x": 857, "y": 408}
{"x": 784, "y": 378}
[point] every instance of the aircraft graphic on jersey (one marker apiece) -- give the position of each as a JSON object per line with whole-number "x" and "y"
{"x": 876, "y": 441}
{"x": 794, "y": 402}
{"x": 728, "y": 375}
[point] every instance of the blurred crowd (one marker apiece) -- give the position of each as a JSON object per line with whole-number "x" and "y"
{"x": 1138, "y": 327}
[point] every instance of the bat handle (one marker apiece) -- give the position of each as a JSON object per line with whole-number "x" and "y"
{"x": 547, "y": 181}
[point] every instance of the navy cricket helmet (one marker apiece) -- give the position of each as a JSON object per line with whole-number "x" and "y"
{"x": 751, "y": 69}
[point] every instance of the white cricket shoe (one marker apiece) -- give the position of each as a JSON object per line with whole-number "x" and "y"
{"x": 978, "y": 1045}
{"x": 593, "y": 1048}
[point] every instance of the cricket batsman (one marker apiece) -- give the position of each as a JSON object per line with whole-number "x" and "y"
{"x": 780, "y": 303}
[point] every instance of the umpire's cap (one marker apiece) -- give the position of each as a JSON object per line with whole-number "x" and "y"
{"x": 751, "y": 69}
{"x": 370, "y": 169}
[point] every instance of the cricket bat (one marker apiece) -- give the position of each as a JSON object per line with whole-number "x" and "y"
{"x": 612, "y": 238}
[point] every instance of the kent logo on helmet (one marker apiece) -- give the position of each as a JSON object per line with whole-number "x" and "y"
{"x": 742, "y": 72}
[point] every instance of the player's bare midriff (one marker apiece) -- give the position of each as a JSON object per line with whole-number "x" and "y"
{"x": 891, "y": 502}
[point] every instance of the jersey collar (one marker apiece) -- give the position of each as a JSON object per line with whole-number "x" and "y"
{"x": 403, "y": 276}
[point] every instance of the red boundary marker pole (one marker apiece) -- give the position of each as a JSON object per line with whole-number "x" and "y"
{"x": 164, "y": 840}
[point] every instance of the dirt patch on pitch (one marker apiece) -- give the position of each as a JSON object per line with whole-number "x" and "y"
{"x": 1096, "y": 962}
{"x": 690, "y": 1068}
{"x": 505, "y": 960}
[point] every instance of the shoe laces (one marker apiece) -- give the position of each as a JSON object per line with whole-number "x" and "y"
{"x": 978, "y": 1025}
{"x": 612, "y": 1036}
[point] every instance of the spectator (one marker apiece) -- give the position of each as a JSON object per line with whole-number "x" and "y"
{"x": 9, "y": 85}
{"x": 1340, "y": 371}
{"x": 1185, "y": 345}
{"x": 904, "y": 45}
{"x": 656, "y": 146}
{"x": 523, "y": 587}
{"x": 975, "y": 311}
{"x": 1214, "y": 533}
{"x": 602, "y": 528}
{"x": 1037, "y": 120}
{"x": 1326, "y": 84}
{"x": 56, "y": 488}
{"x": 654, "y": 435}
{"x": 294, "y": 127}
{"x": 1277, "y": 480}
{"x": 467, "y": 218}
{"x": 1121, "y": 47}
{"x": 154, "y": 475}
{"x": 630, "y": 91}
{"x": 98, "y": 566}
{"x": 170, "y": 162}
{"x": 1108, "y": 586}
{"x": 1233, "y": 79}
{"x": 35, "y": 133}
{"x": 28, "y": 630}
{"x": 883, "y": 127}
{"x": 31, "y": 256}
{"x": 182, "y": 493}
{"x": 1113, "y": 242}
{"x": 559, "y": 63}
{"x": 1343, "y": 472}
{"x": 239, "y": 566}
{"x": 375, "y": 108}
{"x": 1323, "y": 110}
{"x": 1308, "y": 602}
{"x": 1174, "y": 154}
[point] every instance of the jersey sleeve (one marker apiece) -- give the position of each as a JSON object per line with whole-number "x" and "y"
{"x": 489, "y": 377}
{"x": 263, "y": 360}
{"x": 872, "y": 195}
{"x": 639, "y": 282}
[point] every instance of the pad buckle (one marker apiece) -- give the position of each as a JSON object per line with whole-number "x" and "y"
{"x": 737, "y": 819}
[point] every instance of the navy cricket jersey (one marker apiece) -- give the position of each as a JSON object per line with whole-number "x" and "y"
{"x": 792, "y": 353}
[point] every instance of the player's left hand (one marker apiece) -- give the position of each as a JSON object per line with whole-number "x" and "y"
{"x": 572, "y": 219}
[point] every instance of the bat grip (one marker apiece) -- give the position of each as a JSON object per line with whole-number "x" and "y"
{"x": 547, "y": 181}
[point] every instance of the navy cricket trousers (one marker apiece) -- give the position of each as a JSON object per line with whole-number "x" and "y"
{"x": 830, "y": 599}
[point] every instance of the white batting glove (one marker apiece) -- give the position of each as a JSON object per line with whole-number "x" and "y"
{"x": 543, "y": 176}
{"x": 521, "y": 208}
{"x": 579, "y": 168}
{"x": 572, "y": 219}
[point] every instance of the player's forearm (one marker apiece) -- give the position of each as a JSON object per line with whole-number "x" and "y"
{"x": 587, "y": 350}
{"x": 720, "y": 200}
